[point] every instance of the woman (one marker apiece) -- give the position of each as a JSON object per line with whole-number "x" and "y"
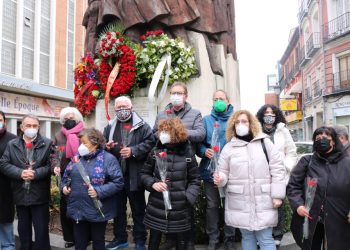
{"x": 106, "y": 180}
{"x": 273, "y": 122}
{"x": 68, "y": 142}
{"x": 329, "y": 217}
{"x": 252, "y": 168}
{"x": 183, "y": 186}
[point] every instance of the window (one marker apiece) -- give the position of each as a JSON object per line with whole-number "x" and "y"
{"x": 8, "y": 38}
{"x": 28, "y": 39}
{"x": 44, "y": 75}
{"x": 70, "y": 45}
{"x": 344, "y": 71}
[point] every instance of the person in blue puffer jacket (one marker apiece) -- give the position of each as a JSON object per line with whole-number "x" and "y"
{"x": 106, "y": 180}
{"x": 220, "y": 113}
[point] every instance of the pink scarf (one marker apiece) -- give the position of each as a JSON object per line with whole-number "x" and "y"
{"x": 72, "y": 139}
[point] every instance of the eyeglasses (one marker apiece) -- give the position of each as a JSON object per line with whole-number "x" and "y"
{"x": 177, "y": 93}
{"x": 241, "y": 121}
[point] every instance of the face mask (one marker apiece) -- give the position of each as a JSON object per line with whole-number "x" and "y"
{"x": 164, "y": 137}
{"x": 242, "y": 130}
{"x": 83, "y": 150}
{"x": 269, "y": 119}
{"x": 1, "y": 125}
{"x": 30, "y": 132}
{"x": 219, "y": 106}
{"x": 69, "y": 124}
{"x": 123, "y": 115}
{"x": 176, "y": 100}
{"x": 322, "y": 146}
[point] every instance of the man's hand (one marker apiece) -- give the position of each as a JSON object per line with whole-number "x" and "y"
{"x": 159, "y": 186}
{"x": 302, "y": 211}
{"x": 125, "y": 152}
{"x": 57, "y": 171}
{"x": 276, "y": 203}
{"x": 111, "y": 144}
{"x": 209, "y": 153}
{"x": 27, "y": 175}
{"x": 66, "y": 190}
{"x": 92, "y": 192}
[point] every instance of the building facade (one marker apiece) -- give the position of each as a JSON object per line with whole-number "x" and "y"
{"x": 320, "y": 52}
{"x": 40, "y": 42}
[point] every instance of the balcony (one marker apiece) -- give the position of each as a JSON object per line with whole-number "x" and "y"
{"x": 313, "y": 44}
{"x": 307, "y": 94}
{"x": 337, "y": 27}
{"x": 296, "y": 68}
{"x": 317, "y": 89}
{"x": 303, "y": 58}
{"x": 341, "y": 81}
{"x": 302, "y": 11}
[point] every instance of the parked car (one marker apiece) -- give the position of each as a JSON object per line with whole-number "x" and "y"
{"x": 303, "y": 148}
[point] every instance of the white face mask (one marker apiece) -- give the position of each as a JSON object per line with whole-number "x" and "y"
{"x": 83, "y": 150}
{"x": 30, "y": 132}
{"x": 242, "y": 130}
{"x": 164, "y": 137}
{"x": 176, "y": 100}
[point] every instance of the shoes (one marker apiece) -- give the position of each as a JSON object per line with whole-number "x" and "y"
{"x": 190, "y": 245}
{"x": 116, "y": 244}
{"x": 68, "y": 244}
{"x": 277, "y": 243}
{"x": 140, "y": 247}
{"x": 213, "y": 245}
{"x": 229, "y": 245}
{"x": 167, "y": 245}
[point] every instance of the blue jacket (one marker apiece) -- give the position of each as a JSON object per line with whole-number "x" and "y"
{"x": 209, "y": 121}
{"x": 106, "y": 180}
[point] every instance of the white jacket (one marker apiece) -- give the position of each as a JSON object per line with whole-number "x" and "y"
{"x": 252, "y": 183}
{"x": 286, "y": 146}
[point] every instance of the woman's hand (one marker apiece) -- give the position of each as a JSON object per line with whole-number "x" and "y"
{"x": 91, "y": 192}
{"x": 276, "y": 203}
{"x": 57, "y": 171}
{"x": 302, "y": 211}
{"x": 160, "y": 186}
{"x": 217, "y": 178}
{"x": 66, "y": 190}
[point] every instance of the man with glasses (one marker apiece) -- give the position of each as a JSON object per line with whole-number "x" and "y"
{"x": 192, "y": 119}
{"x": 26, "y": 161}
{"x": 130, "y": 139}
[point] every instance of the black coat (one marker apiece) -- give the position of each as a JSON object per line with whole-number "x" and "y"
{"x": 333, "y": 192}
{"x": 183, "y": 185}
{"x": 14, "y": 161}
{"x": 7, "y": 210}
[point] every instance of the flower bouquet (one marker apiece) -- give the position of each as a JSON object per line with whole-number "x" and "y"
{"x": 126, "y": 127}
{"x": 311, "y": 186}
{"x": 30, "y": 162}
{"x": 162, "y": 165}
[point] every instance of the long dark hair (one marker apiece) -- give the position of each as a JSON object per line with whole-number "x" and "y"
{"x": 330, "y": 132}
{"x": 3, "y": 115}
{"x": 275, "y": 110}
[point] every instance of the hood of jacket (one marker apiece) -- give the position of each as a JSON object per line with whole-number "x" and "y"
{"x": 222, "y": 116}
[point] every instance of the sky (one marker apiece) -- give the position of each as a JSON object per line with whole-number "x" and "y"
{"x": 262, "y": 31}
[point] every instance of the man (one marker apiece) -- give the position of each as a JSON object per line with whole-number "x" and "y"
{"x": 7, "y": 209}
{"x": 343, "y": 135}
{"x": 221, "y": 112}
{"x": 26, "y": 161}
{"x": 192, "y": 119}
{"x": 130, "y": 139}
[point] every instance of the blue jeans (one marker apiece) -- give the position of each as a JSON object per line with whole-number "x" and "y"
{"x": 264, "y": 237}
{"x": 7, "y": 238}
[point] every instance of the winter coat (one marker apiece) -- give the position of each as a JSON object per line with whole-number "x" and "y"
{"x": 347, "y": 149}
{"x": 332, "y": 192}
{"x": 7, "y": 210}
{"x": 14, "y": 161}
{"x": 141, "y": 141}
{"x": 252, "y": 182}
{"x": 286, "y": 146}
{"x": 60, "y": 140}
{"x": 80, "y": 205}
{"x": 183, "y": 185}
{"x": 209, "y": 122}
{"x": 191, "y": 118}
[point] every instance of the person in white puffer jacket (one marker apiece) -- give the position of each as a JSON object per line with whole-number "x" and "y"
{"x": 273, "y": 122}
{"x": 252, "y": 168}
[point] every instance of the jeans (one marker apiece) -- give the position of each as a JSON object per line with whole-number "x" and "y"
{"x": 38, "y": 216}
{"x": 85, "y": 230}
{"x": 7, "y": 238}
{"x": 264, "y": 237}
{"x": 212, "y": 211}
{"x": 138, "y": 206}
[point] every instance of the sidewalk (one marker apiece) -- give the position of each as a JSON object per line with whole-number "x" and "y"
{"x": 57, "y": 243}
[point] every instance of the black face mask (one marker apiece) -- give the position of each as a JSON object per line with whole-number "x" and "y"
{"x": 322, "y": 146}
{"x": 69, "y": 124}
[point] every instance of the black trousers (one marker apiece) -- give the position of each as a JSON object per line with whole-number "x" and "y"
{"x": 84, "y": 230}
{"x": 177, "y": 238}
{"x": 38, "y": 216}
{"x": 318, "y": 238}
{"x": 67, "y": 223}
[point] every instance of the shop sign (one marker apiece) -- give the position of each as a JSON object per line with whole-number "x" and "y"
{"x": 341, "y": 111}
{"x": 20, "y": 104}
{"x": 295, "y": 116}
{"x": 289, "y": 104}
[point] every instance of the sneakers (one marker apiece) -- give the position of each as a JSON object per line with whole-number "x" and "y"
{"x": 115, "y": 244}
{"x": 213, "y": 245}
{"x": 277, "y": 243}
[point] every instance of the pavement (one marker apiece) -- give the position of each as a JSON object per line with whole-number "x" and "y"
{"x": 57, "y": 243}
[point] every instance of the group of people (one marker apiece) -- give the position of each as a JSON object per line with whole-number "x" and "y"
{"x": 253, "y": 163}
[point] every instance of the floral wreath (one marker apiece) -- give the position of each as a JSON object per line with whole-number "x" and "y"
{"x": 86, "y": 89}
{"x": 113, "y": 49}
{"x": 158, "y": 44}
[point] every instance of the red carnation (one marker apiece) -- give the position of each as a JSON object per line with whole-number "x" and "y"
{"x": 163, "y": 154}
{"x": 127, "y": 126}
{"x": 117, "y": 33}
{"x": 143, "y": 38}
{"x": 121, "y": 39}
{"x": 216, "y": 125}
{"x": 60, "y": 148}
{"x": 108, "y": 33}
{"x": 216, "y": 148}
{"x": 29, "y": 145}
{"x": 312, "y": 183}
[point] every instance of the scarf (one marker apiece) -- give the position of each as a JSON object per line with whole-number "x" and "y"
{"x": 72, "y": 139}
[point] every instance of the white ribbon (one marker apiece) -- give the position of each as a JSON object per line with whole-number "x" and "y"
{"x": 165, "y": 60}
